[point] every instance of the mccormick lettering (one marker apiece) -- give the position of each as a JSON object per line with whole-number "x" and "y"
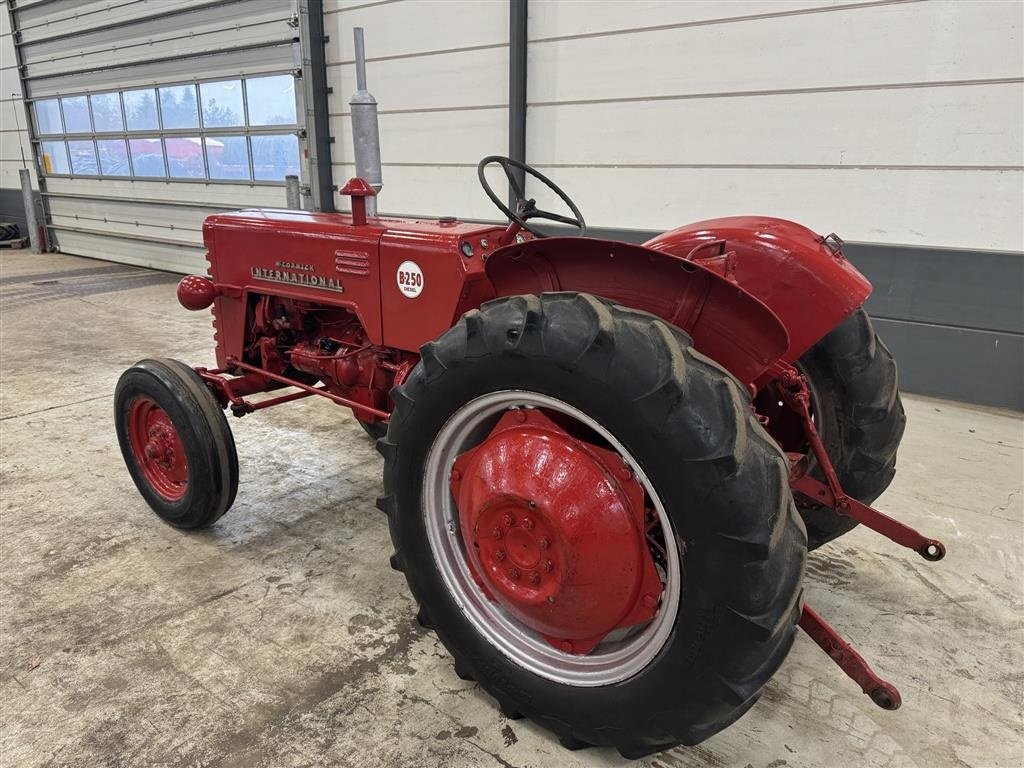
{"x": 297, "y": 278}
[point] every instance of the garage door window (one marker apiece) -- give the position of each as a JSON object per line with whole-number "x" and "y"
{"x": 224, "y": 131}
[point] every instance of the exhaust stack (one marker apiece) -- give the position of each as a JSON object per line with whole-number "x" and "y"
{"x": 365, "y": 132}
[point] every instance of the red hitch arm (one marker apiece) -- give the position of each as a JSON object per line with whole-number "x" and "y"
{"x": 883, "y": 693}
{"x": 830, "y": 493}
{"x": 904, "y": 535}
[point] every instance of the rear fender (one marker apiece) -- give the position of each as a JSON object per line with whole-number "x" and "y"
{"x": 727, "y": 324}
{"x": 801, "y": 276}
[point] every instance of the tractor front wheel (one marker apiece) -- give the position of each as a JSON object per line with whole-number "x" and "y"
{"x": 593, "y": 521}
{"x": 176, "y": 442}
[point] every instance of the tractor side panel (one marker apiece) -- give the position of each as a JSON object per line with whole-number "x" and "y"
{"x": 726, "y": 323}
{"x": 427, "y": 279}
{"x": 311, "y": 257}
{"x": 804, "y": 280}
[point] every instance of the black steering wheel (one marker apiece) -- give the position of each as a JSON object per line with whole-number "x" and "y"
{"x": 527, "y": 209}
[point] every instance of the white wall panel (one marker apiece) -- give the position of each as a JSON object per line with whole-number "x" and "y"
{"x": 463, "y": 79}
{"x": 13, "y": 130}
{"x": 431, "y": 137}
{"x": 884, "y": 121}
{"x": 415, "y": 27}
{"x": 867, "y": 45}
{"x": 439, "y": 72}
{"x": 958, "y": 209}
{"x": 945, "y": 126}
{"x": 555, "y": 18}
{"x": 431, "y": 190}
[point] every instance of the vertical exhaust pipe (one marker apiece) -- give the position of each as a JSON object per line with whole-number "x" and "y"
{"x": 365, "y": 131}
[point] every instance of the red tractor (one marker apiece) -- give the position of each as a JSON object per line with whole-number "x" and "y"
{"x": 604, "y": 463}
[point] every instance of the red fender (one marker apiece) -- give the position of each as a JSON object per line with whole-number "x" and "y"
{"x": 801, "y": 276}
{"x": 727, "y": 323}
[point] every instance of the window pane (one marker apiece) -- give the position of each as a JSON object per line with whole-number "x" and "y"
{"x": 48, "y": 116}
{"x": 178, "y": 106}
{"x": 185, "y": 158}
{"x": 222, "y": 103}
{"x": 106, "y": 112}
{"x": 274, "y": 157}
{"x": 83, "y": 157}
{"x": 271, "y": 100}
{"x": 55, "y": 157}
{"x": 140, "y": 110}
{"x": 228, "y": 157}
{"x": 76, "y": 114}
{"x": 113, "y": 157}
{"x": 147, "y": 157}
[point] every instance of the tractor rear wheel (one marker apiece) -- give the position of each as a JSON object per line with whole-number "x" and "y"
{"x": 858, "y": 412}
{"x": 593, "y": 521}
{"x": 176, "y": 442}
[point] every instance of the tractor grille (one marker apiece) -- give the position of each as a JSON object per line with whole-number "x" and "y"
{"x": 352, "y": 263}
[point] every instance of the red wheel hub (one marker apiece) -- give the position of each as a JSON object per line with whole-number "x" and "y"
{"x": 158, "y": 449}
{"x": 554, "y": 531}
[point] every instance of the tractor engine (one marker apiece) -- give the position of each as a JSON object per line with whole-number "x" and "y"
{"x": 311, "y": 342}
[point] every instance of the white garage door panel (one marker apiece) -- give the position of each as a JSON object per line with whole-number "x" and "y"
{"x": 5, "y": 23}
{"x": 433, "y": 191}
{"x": 923, "y": 42}
{"x": 397, "y": 29}
{"x": 142, "y": 254}
{"x": 471, "y": 78}
{"x": 553, "y": 18}
{"x": 966, "y": 125}
{"x": 241, "y": 195}
{"x": 430, "y": 137}
{"x": 65, "y": 17}
{"x": 187, "y": 34}
{"x": 180, "y": 222}
{"x": 228, "y": 64}
{"x": 909, "y": 207}
{"x": 65, "y": 218}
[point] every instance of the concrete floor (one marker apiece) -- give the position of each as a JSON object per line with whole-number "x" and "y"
{"x": 282, "y": 638}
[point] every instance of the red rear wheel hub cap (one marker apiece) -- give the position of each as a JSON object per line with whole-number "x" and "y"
{"x": 554, "y": 531}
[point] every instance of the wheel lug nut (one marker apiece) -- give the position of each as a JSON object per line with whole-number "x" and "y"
{"x": 566, "y": 646}
{"x": 456, "y": 475}
{"x": 551, "y": 598}
{"x": 497, "y": 533}
{"x": 534, "y": 578}
{"x": 548, "y": 566}
{"x": 544, "y": 543}
{"x": 514, "y": 574}
{"x": 509, "y": 521}
{"x": 499, "y": 555}
{"x": 527, "y": 523}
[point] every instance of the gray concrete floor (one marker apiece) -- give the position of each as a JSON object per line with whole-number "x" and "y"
{"x": 281, "y": 637}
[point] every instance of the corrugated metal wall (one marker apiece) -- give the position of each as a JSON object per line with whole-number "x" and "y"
{"x": 72, "y": 48}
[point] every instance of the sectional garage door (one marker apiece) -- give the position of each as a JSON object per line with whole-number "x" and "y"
{"x": 150, "y": 115}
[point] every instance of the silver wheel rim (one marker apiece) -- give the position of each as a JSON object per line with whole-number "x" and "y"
{"x": 612, "y": 661}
